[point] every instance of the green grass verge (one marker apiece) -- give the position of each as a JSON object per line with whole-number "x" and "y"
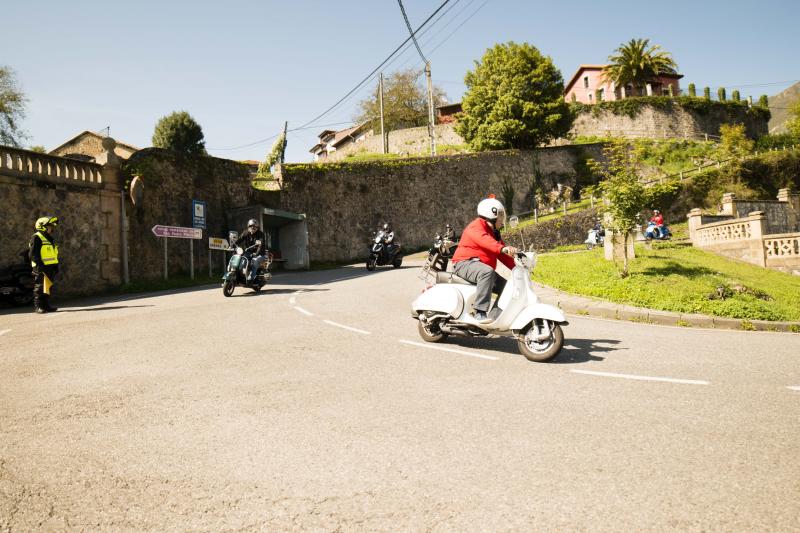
{"x": 678, "y": 278}
{"x": 572, "y": 207}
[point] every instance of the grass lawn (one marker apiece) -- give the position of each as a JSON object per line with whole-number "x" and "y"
{"x": 558, "y": 213}
{"x": 677, "y": 277}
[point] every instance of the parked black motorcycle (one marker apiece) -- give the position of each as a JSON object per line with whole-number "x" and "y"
{"x": 16, "y": 282}
{"x": 382, "y": 252}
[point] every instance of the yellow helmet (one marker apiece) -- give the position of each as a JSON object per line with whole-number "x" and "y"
{"x": 41, "y": 222}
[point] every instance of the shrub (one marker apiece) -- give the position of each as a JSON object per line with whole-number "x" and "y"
{"x": 707, "y": 93}
{"x": 692, "y": 90}
{"x": 763, "y": 100}
{"x": 721, "y": 95}
{"x": 736, "y": 97}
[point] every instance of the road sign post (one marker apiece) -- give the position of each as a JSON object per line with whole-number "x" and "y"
{"x": 177, "y": 232}
{"x": 217, "y": 243}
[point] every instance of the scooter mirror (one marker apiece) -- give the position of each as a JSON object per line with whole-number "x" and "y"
{"x": 513, "y": 221}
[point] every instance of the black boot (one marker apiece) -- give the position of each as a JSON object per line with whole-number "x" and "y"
{"x": 37, "y": 303}
{"x": 47, "y": 307}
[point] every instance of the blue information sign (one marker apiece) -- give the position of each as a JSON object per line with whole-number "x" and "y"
{"x": 199, "y": 214}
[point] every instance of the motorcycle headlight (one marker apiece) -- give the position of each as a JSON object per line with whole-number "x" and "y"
{"x": 239, "y": 251}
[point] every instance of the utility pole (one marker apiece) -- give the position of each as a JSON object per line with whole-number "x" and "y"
{"x": 431, "y": 131}
{"x": 380, "y": 101}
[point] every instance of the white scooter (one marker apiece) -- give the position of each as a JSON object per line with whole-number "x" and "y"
{"x": 445, "y": 309}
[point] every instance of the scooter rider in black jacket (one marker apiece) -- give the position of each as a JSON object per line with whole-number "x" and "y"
{"x": 248, "y": 239}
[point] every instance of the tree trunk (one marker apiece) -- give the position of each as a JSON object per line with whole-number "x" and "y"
{"x": 625, "y": 255}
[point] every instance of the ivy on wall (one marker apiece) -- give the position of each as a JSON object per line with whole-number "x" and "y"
{"x": 631, "y": 107}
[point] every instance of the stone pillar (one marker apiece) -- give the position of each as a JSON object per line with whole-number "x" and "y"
{"x": 792, "y": 209}
{"x": 111, "y": 209}
{"x": 728, "y": 201}
{"x": 695, "y": 217}
{"x": 758, "y": 224}
{"x": 615, "y": 250}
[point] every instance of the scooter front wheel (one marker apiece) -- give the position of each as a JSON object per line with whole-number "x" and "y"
{"x": 227, "y": 287}
{"x": 538, "y": 347}
{"x": 430, "y": 332}
{"x": 371, "y": 263}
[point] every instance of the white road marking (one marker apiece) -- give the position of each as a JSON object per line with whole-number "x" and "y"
{"x": 292, "y": 300}
{"x": 332, "y": 323}
{"x": 797, "y": 388}
{"x": 4, "y": 331}
{"x": 307, "y": 313}
{"x": 641, "y": 378}
{"x": 451, "y": 350}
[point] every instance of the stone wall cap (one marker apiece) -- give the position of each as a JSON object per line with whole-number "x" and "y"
{"x": 756, "y": 214}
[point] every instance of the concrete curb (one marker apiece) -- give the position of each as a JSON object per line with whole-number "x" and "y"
{"x": 587, "y": 306}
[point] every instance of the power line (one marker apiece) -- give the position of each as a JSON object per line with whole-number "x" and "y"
{"x": 408, "y": 25}
{"x": 376, "y": 69}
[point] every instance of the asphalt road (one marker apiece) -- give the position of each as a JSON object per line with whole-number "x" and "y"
{"x": 314, "y": 406}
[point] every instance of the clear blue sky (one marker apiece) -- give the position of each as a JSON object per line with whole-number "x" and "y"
{"x": 243, "y": 67}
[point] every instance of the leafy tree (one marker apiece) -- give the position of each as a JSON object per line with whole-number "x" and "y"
{"x": 707, "y": 93}
{"x": 736, "y": 96}
{"x": 180, "y": 133}
{"x": 763, "y": 101}
{"x": 793, "y": 124}
{"x": 692, "y": 90}
{"x": 626, "y": 196}
{"x": 12, "y": 109}
{"x": 721, "y": 94}
{"x": 514, "y": 99}
{"x": 637, "y": 62}
{"x": 405, "y": 103}
{"x": 734, "y": 142}
{"x": 38, "y": 148}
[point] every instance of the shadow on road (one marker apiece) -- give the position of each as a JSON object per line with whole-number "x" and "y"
{"x": 574, "y": 350}
{"x": 109, "y": 308}
{"x": 266, "y": 292}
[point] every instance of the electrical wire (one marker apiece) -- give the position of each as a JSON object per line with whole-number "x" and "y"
{"x": 408, "y": 25}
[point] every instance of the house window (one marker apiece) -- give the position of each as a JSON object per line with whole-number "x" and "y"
{"x": 601, "y": 95}
{"x": 586, "y": 82}
{"x": 590, "y": 97}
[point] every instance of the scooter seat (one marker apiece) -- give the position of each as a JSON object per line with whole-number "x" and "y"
{"x": 450, "y": 277}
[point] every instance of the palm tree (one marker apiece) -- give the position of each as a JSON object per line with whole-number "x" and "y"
{"x": 637, "y": 62}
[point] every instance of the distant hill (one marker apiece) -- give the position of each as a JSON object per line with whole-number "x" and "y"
{"x": 779, "y": 106}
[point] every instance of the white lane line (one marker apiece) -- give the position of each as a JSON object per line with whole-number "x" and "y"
{"x": 451, "y": 350}
{"x": 307, "y": 313}
{"x": 4, "y": 331}
{"x": 292, "y": 300}
{"x": 332, "y": 323}
{"x": 797, "y": 387}
{"x": 641, "y": 378}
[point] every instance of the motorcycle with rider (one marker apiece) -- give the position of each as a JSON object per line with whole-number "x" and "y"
{"x": 249, "y": 265}
{"x": 384, "y": 250}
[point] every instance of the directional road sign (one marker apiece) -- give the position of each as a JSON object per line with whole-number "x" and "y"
{"x": 177, "y": 232}
{"x": 217, "y": 243}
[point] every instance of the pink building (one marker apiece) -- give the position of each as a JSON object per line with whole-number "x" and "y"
{"x": 585, "y": 83}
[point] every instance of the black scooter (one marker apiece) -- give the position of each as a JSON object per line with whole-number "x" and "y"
{"x": 16, "y": 282}
{"x": 381, "y": 253}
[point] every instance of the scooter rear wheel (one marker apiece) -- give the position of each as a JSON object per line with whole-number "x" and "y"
{"x": 371, "y": 263}
{"x": 430, "y": 332}
{"x": 227, "y": 288}
{"x": 540, "y": 351}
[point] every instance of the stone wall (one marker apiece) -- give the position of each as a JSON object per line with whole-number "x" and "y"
{"x": 409, "y": 141}
{"x": 170, "y": 184}
{"x": 572, "y": 228}
{"x": 662, "y": 122}
{"x": 86, "y": 199}
{"x": 345, "y": 202}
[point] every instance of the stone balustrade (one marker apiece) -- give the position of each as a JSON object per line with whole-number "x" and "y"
{"x": 24, "y": 163}
{"x": 748, "y": 238}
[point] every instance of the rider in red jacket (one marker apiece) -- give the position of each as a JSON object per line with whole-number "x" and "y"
{"x": 658, "y": 218}
{"x": 478, "y": 251}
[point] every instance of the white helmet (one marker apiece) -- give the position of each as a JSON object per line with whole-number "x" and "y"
{"x": 491, "y": 209}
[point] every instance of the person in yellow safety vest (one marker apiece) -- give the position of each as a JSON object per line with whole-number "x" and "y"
{"x": 44, "y": 260}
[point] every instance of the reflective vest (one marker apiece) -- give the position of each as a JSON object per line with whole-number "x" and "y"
{"x": 49, "y": 251}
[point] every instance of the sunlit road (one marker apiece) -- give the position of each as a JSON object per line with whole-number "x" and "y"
{"x": 314, "y": 405}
